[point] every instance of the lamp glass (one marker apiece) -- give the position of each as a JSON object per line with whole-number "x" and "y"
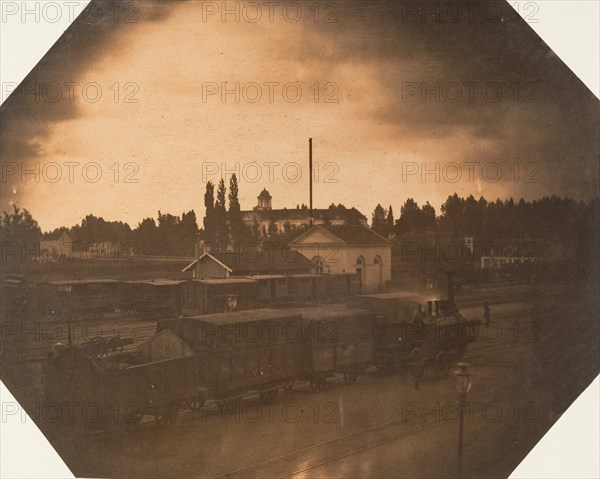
{"x": 462, "y": 378}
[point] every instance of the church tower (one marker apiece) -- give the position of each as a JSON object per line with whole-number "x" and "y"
{"x": 264, "y": 200}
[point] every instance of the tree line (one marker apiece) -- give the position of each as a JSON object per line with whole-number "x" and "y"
{"x": 573, "y": 223}
{"x": 551, "y": 217}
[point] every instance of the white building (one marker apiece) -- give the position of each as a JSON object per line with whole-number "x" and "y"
{"x": 348, "y": 249}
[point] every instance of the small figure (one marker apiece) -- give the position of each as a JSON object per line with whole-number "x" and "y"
{"x": 486, "y": 314}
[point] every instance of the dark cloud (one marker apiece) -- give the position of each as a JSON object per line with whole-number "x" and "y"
{"x": 554, "y": 123}
{"x": 545, "y": 114}
{"x": 26, "y": 119}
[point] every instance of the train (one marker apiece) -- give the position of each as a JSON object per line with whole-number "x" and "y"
{"x": 226, "y": 356}
{"x": 95, "y": 298}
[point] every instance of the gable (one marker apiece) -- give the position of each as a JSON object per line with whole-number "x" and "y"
{"x": 318, "y": 236}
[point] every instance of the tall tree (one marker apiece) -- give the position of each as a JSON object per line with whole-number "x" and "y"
{"x": 378, "y": 221}
{"x": 237, "y": 226}
{"x": 210, "y": 232}
{"x": 410, "y": 219}
{"x": 389, "y": 222}
{"x": 221, "y": 226}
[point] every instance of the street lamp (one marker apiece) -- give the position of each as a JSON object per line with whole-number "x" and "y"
{"x": 462, "y": 384}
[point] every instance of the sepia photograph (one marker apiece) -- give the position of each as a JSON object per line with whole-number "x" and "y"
{"x": 296, "y": 239}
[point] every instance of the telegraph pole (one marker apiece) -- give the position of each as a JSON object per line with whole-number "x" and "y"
{"x": 310, "y": 181}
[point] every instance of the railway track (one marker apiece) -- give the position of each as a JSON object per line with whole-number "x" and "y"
{"x": 275, "y": 464}
{"x": 314, "y": 457}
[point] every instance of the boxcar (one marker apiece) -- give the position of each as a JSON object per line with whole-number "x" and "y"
{"x": 241, "y": 352}
{"x": 208, "y": 296}
{"x": 156, "y": 298}
{"x": 85, "y": 298}
{"x": 339, "y": 285}
{"x": 335, "y": 339}
{"x": 123, "y": 388}
{"x": 303, "y": 287}
{"x": 271, "y": 289}
{"x": 395, "y": 336}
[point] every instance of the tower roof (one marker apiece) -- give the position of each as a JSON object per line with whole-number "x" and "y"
{"x": 264, "y": 195}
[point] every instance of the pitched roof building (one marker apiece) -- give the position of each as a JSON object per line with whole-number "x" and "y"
{"x": 250, "y": 263}
{"x": 348, "y": 249}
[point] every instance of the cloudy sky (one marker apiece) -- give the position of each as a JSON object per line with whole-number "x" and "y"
{"x": 384, "y": 90}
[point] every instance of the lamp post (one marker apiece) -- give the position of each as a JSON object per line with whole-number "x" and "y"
{"x": 462, "y": 384}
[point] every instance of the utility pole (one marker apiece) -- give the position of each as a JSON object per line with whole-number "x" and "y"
{"x": 310, "y": 181}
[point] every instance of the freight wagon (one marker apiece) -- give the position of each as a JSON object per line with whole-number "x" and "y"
{"x": 335, "y": 339}
{"x": 156, "y": 298}
{"x": 77, "y": 299}
{"x": 208, "y": 296}
{"x": 242, "y": 352}
{"x": 123, "y": 387}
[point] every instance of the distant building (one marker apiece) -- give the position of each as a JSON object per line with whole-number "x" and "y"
{"x": 268, "y": 261}
{"x": 56, "y": 246}
{"x": 507, "y": 252}
{"x": 348, "y": 249}
{"x": 103, "y": 250}
{"x": 263, "y": 215}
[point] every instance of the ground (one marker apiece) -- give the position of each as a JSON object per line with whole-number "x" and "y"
{"x": 380, "y": 426}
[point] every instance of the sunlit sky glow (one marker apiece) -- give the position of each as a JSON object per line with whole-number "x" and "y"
{"x": 371, "y": 61}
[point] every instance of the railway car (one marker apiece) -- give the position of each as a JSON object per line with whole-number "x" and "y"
{"x": 209, "y": 296}
{"x": 341, "y": 285}
{"x": 304, "y": 287}
{"x": 335, "y": 340}
{"x": 16, "y": 296}
{"x": 241, "y": 352}
{"x": 271, "y": 289}
{"x": 77, "y": 299}
{"x": 153, "y": 380}
{"x": 394, "y": 334}
{"x": 156, "y": 298}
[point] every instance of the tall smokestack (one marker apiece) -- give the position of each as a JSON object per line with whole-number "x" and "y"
{"x": 310, "y": 181}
